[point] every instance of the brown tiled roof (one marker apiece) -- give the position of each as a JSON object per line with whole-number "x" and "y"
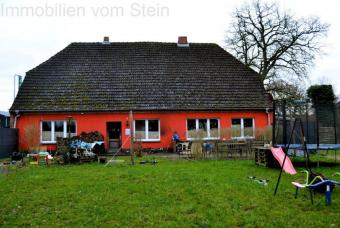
{"x": 97, "y": 77}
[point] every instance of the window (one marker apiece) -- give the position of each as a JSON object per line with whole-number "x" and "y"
{"x": 236, "y": 128}
{"x": 203, "y": 128}
{"x": 51, "y": 130}
{"x": 153, "y": 132}
{"x": 140, "y": 129}
{"x": 58, "y": 129}
{"x": 248, "y": 127}
{"x": 46, "y": 132}
{"x": 214, "y": 128}
{"x": 147, "y": 130}
{"x": 243, "y": 128}
{"x": 71, "y": 128}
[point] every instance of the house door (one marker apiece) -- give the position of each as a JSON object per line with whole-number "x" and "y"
{"x": 114, "y": 135}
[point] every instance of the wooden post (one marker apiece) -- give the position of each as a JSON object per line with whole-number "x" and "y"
{"x": 274, "y": 124}
{"x": 284, "y": 120}
{"x": 69, "y": 119}
{"x": 334, "y": 125}
{"x": 132, "y": 155}
{"x": 317, "y": 126}
{"x": 307, "y": 121}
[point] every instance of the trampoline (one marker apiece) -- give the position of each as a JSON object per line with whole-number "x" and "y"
{"x": 312, "y": 146}
{"x": 315, "y": 147}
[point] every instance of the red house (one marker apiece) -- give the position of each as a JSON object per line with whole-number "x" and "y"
{"x": 170, "y": 87}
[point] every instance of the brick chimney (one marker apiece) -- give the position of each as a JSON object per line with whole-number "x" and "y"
{"x": 182, "y": 41}
{"x": 106, "y": 40}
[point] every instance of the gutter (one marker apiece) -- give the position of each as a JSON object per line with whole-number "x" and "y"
{"x": 148, "y": 110}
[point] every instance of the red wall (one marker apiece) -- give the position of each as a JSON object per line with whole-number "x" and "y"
{"x": 169, "y": 122}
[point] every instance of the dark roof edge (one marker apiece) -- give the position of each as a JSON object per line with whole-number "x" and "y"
{"x": 49, "y": 59}
{"x": 146, "y": 110}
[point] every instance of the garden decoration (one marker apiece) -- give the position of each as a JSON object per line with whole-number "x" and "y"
{"x": 4, "y": 168}
{"x": 40, "y": 158}
{"x": 318, "y": 182}
{"x": 259, "y": 181}
{"x": 152, "y": 162}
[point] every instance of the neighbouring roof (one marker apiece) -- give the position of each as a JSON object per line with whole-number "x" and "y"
{"x": 97, "y": 77}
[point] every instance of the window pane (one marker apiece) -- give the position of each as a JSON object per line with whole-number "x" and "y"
{"x": 71, "y": 127}
{"x": 58, "y": 129}
{"x": 236, "y": 122}
{"x": 153, "y": 129}
{"x": 191, "y": 123}
{"x": 140, "y": 129}
{"x": 248, "y": 127}
{"x": 214, "y": 128}
{"x": 46, "y": 131}
{"x": 202, "y": 126}
{"x": 236, "y": 128}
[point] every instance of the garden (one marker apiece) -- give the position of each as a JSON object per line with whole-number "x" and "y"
{"x": 195, "y": 193}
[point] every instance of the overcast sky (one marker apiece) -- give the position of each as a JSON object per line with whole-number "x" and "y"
{"x": 42, "y": 28}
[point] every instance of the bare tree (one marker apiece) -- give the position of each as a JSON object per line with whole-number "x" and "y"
{"x": 274, "y": 43}
{"x": 286, "y": 90}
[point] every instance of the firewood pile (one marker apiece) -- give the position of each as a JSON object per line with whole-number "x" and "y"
{"x": 69, "y": 150}
{"x": 89, "y": 137}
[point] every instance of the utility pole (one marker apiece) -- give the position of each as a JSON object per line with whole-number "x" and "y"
{"x": 132, "y": 155}
{"x": 274, "y": 124}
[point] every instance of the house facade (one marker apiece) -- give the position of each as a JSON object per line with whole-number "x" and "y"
{"x": 194, "y": 89}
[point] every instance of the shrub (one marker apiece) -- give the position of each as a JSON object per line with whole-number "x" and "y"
{"x": 321, "y": 94}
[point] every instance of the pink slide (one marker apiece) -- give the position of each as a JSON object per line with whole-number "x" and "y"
{"x": 279, "y": 156}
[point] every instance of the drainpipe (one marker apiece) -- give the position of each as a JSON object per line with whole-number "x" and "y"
{"x": 17, "y": 115}
{"x": 268, "y": 116}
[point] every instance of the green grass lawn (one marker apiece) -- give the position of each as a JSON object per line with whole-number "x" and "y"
{"x": 169, "y": 194}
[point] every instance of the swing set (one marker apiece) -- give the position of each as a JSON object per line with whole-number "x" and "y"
{"x": 314, "y": 182}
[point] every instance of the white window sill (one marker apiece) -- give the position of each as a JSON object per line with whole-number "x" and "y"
{"x": 148, "y": 140}
{"x": 195, "y": 139}
{"x": 242, "y": 138}
{"x": 48, "y": 142}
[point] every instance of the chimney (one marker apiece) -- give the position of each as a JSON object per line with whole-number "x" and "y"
{"x": 182, "y": 41}
{"x": 106, "y": 40}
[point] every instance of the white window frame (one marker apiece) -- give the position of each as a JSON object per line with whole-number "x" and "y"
{"x": 208, "y": 128}
{"x": 53, "y": 130}
{"x": 242, "y": 128}
{"x": 146, "y": 139}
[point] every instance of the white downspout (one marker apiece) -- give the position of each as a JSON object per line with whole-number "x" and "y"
{"x": 268, "y": 116}
{"x": 17, "y": 115}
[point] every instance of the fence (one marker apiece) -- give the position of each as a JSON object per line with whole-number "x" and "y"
{"x": 319, "y": 123}
{"x": 8, "y": 141}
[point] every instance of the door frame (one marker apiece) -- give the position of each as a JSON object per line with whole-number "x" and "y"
{"x": 118, "y": 123}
